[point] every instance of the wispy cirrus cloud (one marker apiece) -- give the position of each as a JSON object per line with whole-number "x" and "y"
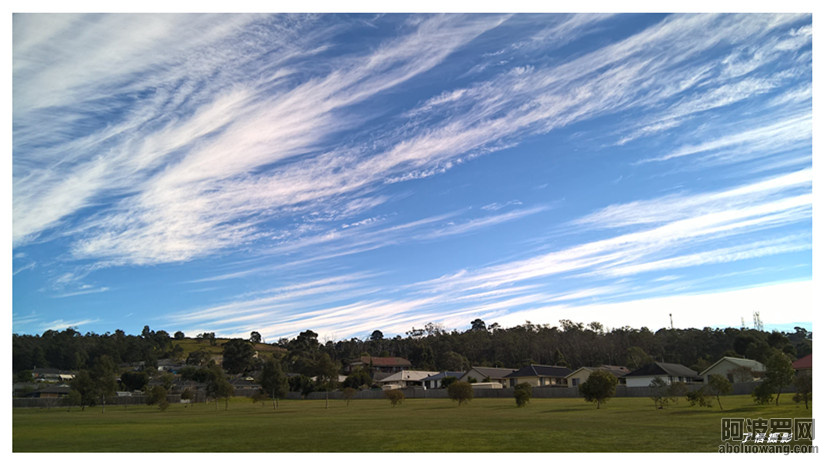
{"x": 273, "y": 146}
{"x": 207, "y": 198}
{"x": 670, "y": 229}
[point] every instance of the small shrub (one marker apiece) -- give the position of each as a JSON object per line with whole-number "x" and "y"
{"x": 523, "y": 392}
{"x": 677, "y": 390}
{"x": 659, "y": 392}
{"x": 348, "y": 394}
{"x": 394, "y": 396}
{"x": 763, "y": 393}
{"x": 156, "y": 395}
{"x": 460, "y": 392}
{"x": 698, "y": 398}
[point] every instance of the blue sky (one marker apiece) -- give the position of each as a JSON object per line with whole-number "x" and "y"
{"x": 346, "y": 173}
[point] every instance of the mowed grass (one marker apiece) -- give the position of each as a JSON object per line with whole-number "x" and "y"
{"x": 417, "y": 425}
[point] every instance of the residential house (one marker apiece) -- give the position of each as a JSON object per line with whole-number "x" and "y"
{"x": 339, "y": 379}
{"x": 405, "y": 379}
{"x": 488, "y": 374}
{"x": 539, "y": 375}
{"x": 487, "y": 386}
{"x": 804, "y": 364}
{"x": 51, "y": 375}
{"x": 669, "y": 372}
{"x": 435, "y": 381}
{"x": 381, "y": 366}
{"x": 736, "y": 370}
{"x": 581, "y": 374}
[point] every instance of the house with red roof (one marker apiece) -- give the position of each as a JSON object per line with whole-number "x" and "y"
{"x": 803, "y": 364}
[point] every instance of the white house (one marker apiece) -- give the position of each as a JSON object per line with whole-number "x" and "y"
{"x": 582, "y": 374}
{"x": 488, "y": 374}
{"x": 669, "y": 372}
{"x": 735, "y": 369}
{"x": 435, "y": 381}
{"x": 405, "y": 379}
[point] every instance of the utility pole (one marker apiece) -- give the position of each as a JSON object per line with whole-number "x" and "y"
{"x": 671, "y": 325}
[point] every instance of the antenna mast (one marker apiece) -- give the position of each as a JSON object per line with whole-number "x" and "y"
{"x": 756, "y": 321}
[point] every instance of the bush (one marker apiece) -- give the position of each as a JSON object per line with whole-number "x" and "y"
{"x": 523, "y": 392}
{"x": 460, "y": 392}
{"x": 348, "y": 394}
{"x": 763, "y": 393}
{"x": 394, "y": 396}
{"x": 157, "y": 395}
{"x": 698, "y": 398}
{"x": 677, "y": 390}
{"x": 718, "y": 385}
{"x": 659, "y": 392}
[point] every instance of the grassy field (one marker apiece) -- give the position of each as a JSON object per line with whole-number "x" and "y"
{"x": 417, "y": 425}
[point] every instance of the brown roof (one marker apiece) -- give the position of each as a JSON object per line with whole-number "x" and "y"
{"x": 804, "y": 363}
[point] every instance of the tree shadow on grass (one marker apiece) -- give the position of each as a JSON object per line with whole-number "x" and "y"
{"x": 566, "y": 409}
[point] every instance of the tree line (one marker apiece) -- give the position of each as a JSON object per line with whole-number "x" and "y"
{"x": 568, "y": 344}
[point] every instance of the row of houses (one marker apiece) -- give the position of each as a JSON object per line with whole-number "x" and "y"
{"x": 736, "y": 370}
{"x": 391, "y": 373}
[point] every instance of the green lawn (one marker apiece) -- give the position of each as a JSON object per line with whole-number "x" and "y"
{"x": 417, "y": 425}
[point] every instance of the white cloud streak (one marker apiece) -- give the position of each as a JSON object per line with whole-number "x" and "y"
{"x": 210, "y": 195}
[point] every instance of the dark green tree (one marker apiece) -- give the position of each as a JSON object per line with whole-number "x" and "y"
{"x": 217, "y": 386}
{"x": 637, "y": 357}
{"x": 103, "y": 374}
{"x": 157, "y": 396}
{"x": 255, "y": 337}
{"x": 763, "y": 393}
{"x": 358, "y": 378}
{"x": 803, "y": 388}
{"x": 302, "y": 384}
{"x": 460, "y": 392}
{"x": 327, "y": 374}
{"x": 24, "y": 376}
{"x": 84, "y": 386}
{"x": 72, "y": 399}
{"x": 198, "y": 358}
{"x": 478, "y": 325}
{"x": 133, "y": 380}
{"x": 599, "y": 387}
{"x": 273, "y": 381}
{"x": 238, "y": 355}
{"x": 780, "y": 372}
{"x": 452, "y": 361}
